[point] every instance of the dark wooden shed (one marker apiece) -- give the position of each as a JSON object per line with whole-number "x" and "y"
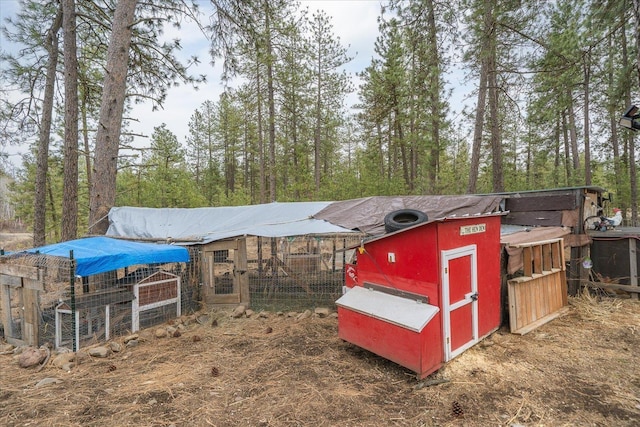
{"x": 570, "y": 207}
{"x": 615, "y": 258}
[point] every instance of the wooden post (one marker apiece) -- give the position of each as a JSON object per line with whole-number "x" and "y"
{"x": 26, "y": 281}
{"x": 633, "y": 265}
{"x": 241, "y": 271}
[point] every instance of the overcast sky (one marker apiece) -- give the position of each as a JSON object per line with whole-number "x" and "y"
{"x": 354, "y": 22}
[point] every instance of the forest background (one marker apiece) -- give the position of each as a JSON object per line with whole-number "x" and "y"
{"x": 550, "y": 80}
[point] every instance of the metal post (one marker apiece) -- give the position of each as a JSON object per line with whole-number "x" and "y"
{"x": 72, "y": 282}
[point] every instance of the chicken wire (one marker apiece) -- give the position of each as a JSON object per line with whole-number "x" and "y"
{"x": 297, "y": 273}
{"x": 284, "y": 274}
{"x": 77, "y": 311}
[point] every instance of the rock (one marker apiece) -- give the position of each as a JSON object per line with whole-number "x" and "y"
{"x": 63, "y": 359}
{"x": 263, "y": 315}
{"x": 99, "y": 352}
{"x": 161, "y": 333}
{"x": 68, "y": 366}
{"x": 204, "y": 319}
{"x": 82, "y": 357}
{"x": 115, "y": 347}
{"x": 238, "y": 311}
{"x": 31, "y": 356}
{"x": 304, "y": 315}
{"x": 132, "y": 343}
{"x": 322, "y": 312}
{"x": 292, "y": 314}
{"x": 249, "y": 313}
{"x": 46, "y": 381}
{"x": 171, "y": 330}
{"x": 280, "y": 313}
{"x": 130, "y": 338}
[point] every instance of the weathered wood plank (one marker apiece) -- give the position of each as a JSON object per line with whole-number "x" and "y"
{"x": 26, "y": 271}
{"x": 626, "y": 288}
{"x": 5, "y": 302}
{"x": 546, "y": 319}
{"x": 557, "y": 252}
{"x": 528, "y": 259}
{"x": 537, "y": 259}
{"x": 13, "y": 281}
{"x": 241, "y": 271}
{"x": 547, "y": 218}
{"x": 547, "y": 262}
{"x": 37, "y": 284}
{"x": 534, "y": 298}
{"x": 31, "y": 317}
{"x": 556, "y": 202}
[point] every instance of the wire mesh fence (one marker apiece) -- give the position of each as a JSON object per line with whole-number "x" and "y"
{"x": 57, "y": 306}
{"x": 300, "y": 272}
{"x": 71, "y": 311}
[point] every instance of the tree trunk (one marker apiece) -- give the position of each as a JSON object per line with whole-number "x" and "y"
{"x": 272, "y": 108}
{"x": 492, "y": 83}
{"x": 567, "y": 149}
{"x": 480, "y": 107}
{"x": 587, "y": 145}
{"x": 556, "y": 161}
{"x": 434, "y": 95}
{"x": 103, "y": 188}
{"x": 573, "y": 138}
{"x": 70, "y": 191}
{"x": 316, "y": 131}
{"x": 261, "y": 157}
{"x": 85, "y": 139}
{"x": 632, "y": 151}
{"x": 636, "y": 14}
{"x": 42, "y": 158}
{"x": 612, "y": 109}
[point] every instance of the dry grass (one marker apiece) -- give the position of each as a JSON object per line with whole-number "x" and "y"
{"x": 579, "y": 369}
{"x": 15, "y": 241}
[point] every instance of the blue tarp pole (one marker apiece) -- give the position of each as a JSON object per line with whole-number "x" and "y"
{"x": 72, "y": 282}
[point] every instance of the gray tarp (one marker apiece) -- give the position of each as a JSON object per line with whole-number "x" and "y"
{"x": 367, "y": 214}
{"x": 203, "y": 225}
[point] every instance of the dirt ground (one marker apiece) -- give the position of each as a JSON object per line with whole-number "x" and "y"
{"x": 580, "y": 369}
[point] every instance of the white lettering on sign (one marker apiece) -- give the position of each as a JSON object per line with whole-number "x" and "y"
{"x": 351, "y": 272}
{"x": 473, "y": 229}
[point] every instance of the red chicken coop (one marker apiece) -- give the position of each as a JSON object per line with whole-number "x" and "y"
{"x": 422, "y": 295}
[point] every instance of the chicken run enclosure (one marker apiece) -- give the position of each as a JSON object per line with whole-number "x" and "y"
{"x": 45, "y": 298}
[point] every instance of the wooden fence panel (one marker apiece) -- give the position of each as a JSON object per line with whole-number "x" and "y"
{"x": 540, "y": 295}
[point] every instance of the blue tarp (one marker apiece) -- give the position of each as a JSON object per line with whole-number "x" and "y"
{"x": 95, "y": 255}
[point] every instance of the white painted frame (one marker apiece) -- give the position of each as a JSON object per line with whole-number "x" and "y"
{"x": 60, "y": 311}
{"x": 445, "y": 257}
{"x": 136, "y": 308}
